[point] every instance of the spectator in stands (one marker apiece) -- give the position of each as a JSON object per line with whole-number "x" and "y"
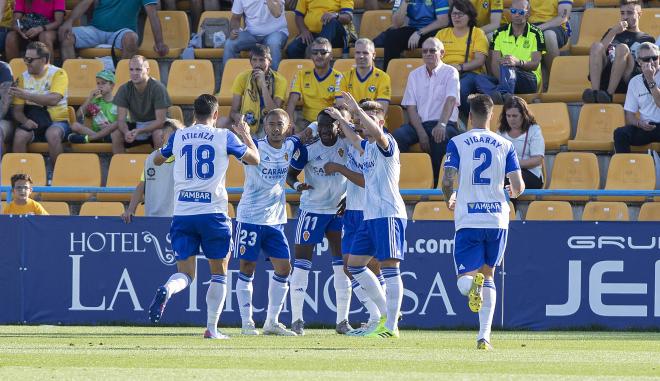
{"x": 265, "y": 24}
{"x": 489, "y": 14}
{"x": 318, "y": 87}
{"x": 431, "y": 100}
{"x": 256, "y": 92}
{"x": 320, "y": 18}
{"x": 612, "y": 59}
{"x": 517, "y": 124}
{"x": 146, "y": 100}
{"x": 413, "y": 21}
{"x": 517, "y": 49}
{"x": 365, "y": 80}
{"x": 156, "y": 186}
{"x": 466, "y": 48}
{"x": 196, "y": 8}
{"x": 40, "y": 102}
{"x": 113, "y": 23}
{"x": 21, "y": 203}
{"x": 6, "y": 81}
{"x": 551, "y": 16}
{"x": 34, "y": 21}
{"x": 99, "y": 108}
{"x": 643, "y": 98}
{"x": 6, "y": 20}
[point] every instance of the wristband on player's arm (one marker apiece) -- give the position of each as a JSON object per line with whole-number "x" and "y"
{"x": 296, "y": 185}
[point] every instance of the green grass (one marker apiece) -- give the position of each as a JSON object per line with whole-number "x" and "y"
{"x": 173, "y": 353}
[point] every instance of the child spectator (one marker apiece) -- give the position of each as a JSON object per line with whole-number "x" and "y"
{"x": 21, "y": 188}
{"x": 99, "y": 107}
{"x": 34, "y": 20}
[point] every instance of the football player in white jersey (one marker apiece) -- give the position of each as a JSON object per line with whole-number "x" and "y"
{"x": 200, "y": 205}
{"x": 482, "y": 160}
{"x": 260, "y": 223}
{"x": 321, "y": 197}
{"x": 382, "y": 233}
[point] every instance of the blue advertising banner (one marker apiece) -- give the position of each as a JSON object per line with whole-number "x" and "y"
{"x": 11, "y": 268}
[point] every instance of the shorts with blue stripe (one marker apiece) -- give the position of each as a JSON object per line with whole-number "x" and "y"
{"x": 352, "y": 220}
{"x": 210, "y": 231}
{"x": 381, "y": 237}
{"x": 312, "y": 227}
{"x": 252, "y": 239}
{"x": 474, "y": 247}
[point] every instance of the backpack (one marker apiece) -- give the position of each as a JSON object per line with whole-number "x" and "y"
{"x": 211, "y": 26}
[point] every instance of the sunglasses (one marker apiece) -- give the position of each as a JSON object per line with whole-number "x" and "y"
{"x": 648, "y": 59}
{"x": 320, "y": 52}
{"x": 29, "y": 60}
{"x": 516, "y": 11}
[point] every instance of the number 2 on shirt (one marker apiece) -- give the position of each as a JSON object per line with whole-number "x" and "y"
{"x": 481, "y": 153}
{"x": 203, "y": 161}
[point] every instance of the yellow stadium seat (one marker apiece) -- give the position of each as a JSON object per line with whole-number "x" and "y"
{"x": 86, "y": 147}
{"x": 289, "y": 211}
{"x": 416, "y": 171}
{"x": 290, "y": 67}
{"x": 232, "y": 69}
{"x": 189, "y": 79}
{"x": 395, "y": 117}
{"x": 650, "y": 211}
{"x": 605, "y": 211}
{"x": 208, "y": 53}
{"x": 549, "y": 211}
{"x": 17, "y": 66}
{"x": 344, "y": 64}
{"x": 432, "y": 210}
{"x": 398, "y": 69}
{"x": 56, "y": 208}
{"x": 125, "y": 171}
{"x": 175, "y": 112}
{"x": 235, "y": 177}
{"x": 30, "y": 163}
{"x": 99, "y": 208}
{"x": 494, "y": 121}
{"x": 596, "y": 127}
{"x": 176, "y": 34}
{"x": 224, "y": 111}
{"x": 82, "y": 78}
{"x": 606, "y": 3}
{"x": 574, "y": 170}
{"x": 649, "y": 21}
{"x": 630, "y": 171}
{"x": 594, "y": 25}
{"x": 555, "y": 123}
{"x": 231, "y": 210}
{"x": 567, "y": 85}
{"x": 75, "y": 170}
{"x": 374, "y": 23}
{"x": 122, "y": 75}
{"x": 139, "y": 210}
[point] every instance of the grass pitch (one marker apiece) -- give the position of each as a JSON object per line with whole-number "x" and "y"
{"x": 172, "y": 353}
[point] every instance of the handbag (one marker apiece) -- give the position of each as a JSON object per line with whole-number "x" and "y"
{"x": 40, "y": 116}
{"x": 33, "y": 20}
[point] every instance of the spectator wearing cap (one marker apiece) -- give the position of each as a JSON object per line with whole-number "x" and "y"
{"x": 21, "y": 203}
{"x": 142, "y": 104}
{"x": 114, "y": 23}
{"x": 551, "y": 16}
{"x": 40, "y": 102}
{"x": 100, "y": 109}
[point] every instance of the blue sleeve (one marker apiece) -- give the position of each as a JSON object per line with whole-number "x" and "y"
{"x": 452, "y": 159}
{"x": 512, "y": 163}
{"x": 5, "y": 73}
{"x": 299, "y": 158}
{"x": 166, "y": 151}
{"x": 235, "y": 146}
{"x": 295, "y": 142}
{"x": 441, "y": 7}
{"x": 390, "y": 147}
{"x": 363, "y": 144}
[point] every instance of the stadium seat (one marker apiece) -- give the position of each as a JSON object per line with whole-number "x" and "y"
{"x": 594, "y": 25}
{"x": 630, "y": 171}
{"x": 416, "y": 172}
{"x": 494, "y": 121}
{"x": 122, "y": 75}
{"x": 232, "y": 69}
{"x": 549, "y": 211}
{"x": 290, "y": 67}
{"x": 125, "y": 171}
{"x": 596, "y": 127}
{"x": 75, "y": 170}
{"x": 86, "y": 147}
{"x": 17, "y": 66}
{"x": 395, "y": 117}
{"x": 398, "y": 69}
{"x": 344, "y": 64}
{"x": 235, "y": 177}
{"x": 650, "y": 211}
{"x": 224, "y": 111}
{"x": 574, "y": 170}
{"x": 432, "y": 210}
{"x": 567, "y": 85}
{"x": 605, "y": 211}
{"x": 374, "y": 23}
{"x": 289, "y": 211}
{"x": 139, "y": 210}
{"x": 175, "y": 112}
{"x": 231, "y": 210}
{"x": 555, "y": 123}
{"x": 189, "y": 79}
{"x": 56, "y": 208}
{"x": 82, "y": 78}
{"x": 649, "y": 21}
{"x": 606, "y": 3}
{"x": 99, "y": 208}
{"x": 176, "y": 34}
{"x": 208, "y": 53}
{"x": 31, "y": 163}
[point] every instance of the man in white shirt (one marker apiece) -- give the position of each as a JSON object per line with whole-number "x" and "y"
{"x": 265, "y": 24}
{"x": 643, "y": 97}
{"x": 431, "y": 100}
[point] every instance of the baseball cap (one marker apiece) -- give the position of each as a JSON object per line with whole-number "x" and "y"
{"x": 106, "y": 75}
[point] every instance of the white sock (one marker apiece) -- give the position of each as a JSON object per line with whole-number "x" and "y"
{"x": 299, "y": 280}
{"x": 215, "y": 300}
{"x": 394, "y": 295}
{"x": 487, "y": 309}
{"x": 342, "y": 285}
{"x": 381, "y": 281}
{"x": 244, "y": 295}
{"x": 177, "y": 282}
{"x": 464, "y": 284}
{"x": 278, "y": 286}
{"x": 372, "y": 308}
{"x": 370, "y": 286}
